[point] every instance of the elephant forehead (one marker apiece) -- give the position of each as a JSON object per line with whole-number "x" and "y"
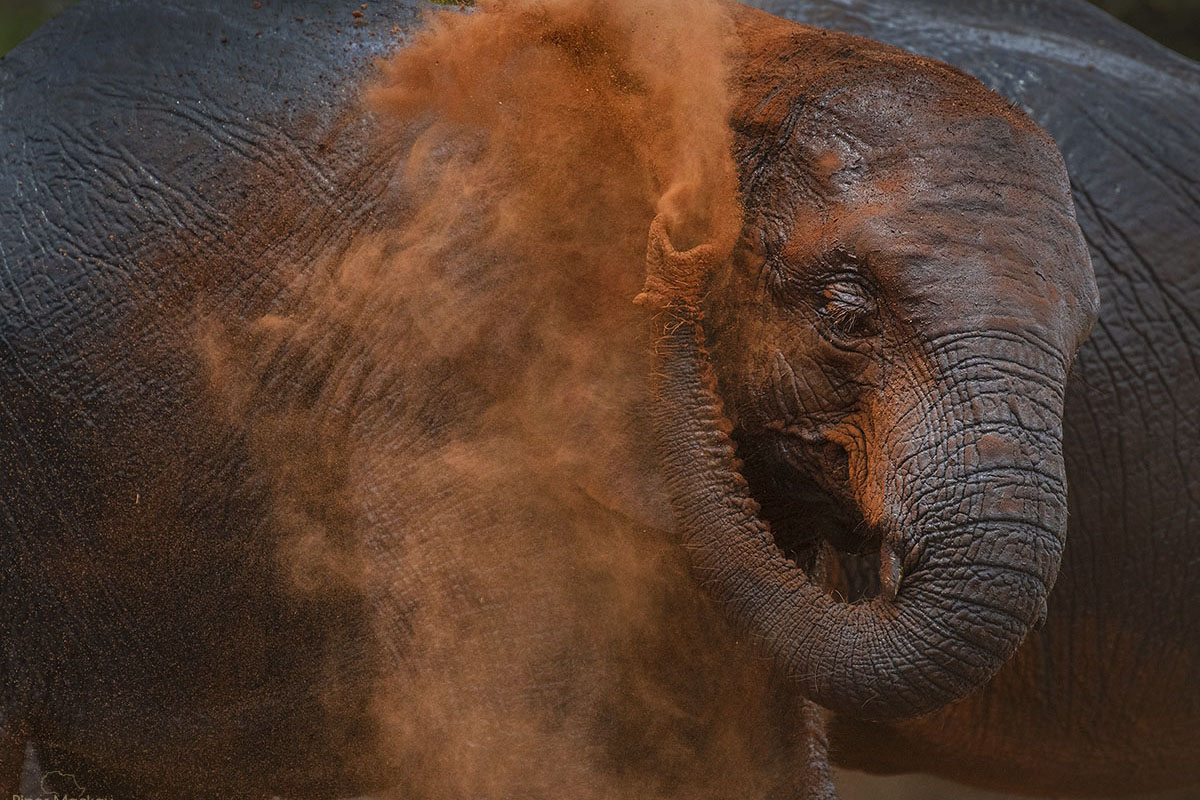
{"x": 969, "y": 179}
{"x": 934, "y": 156}
{"x": 911, "y": 209}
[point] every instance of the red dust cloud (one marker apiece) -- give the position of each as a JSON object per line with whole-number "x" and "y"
{"x": 466, "y": 449}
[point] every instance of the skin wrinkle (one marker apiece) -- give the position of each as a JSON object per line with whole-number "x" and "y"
{"x": 929, "y": 451}
{"x": 922, "y": 451}
{"x": 1045, "y": 383}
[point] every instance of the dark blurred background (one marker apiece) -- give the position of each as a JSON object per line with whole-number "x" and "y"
{"x": 1175, "y": 23}
{"x": 19, "y": 18}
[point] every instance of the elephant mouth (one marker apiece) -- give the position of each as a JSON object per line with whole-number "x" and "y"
{"x": 801, "y": 490}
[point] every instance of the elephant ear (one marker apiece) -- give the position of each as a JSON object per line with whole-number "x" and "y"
{"x": 676, "y": 280}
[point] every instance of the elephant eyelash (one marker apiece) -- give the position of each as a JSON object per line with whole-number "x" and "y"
{"x": 846, "y": 305}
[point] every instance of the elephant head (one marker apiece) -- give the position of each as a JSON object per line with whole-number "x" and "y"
{"x": 879, "y": 363}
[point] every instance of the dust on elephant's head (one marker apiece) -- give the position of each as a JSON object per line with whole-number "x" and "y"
{"x": 890, "y": 340}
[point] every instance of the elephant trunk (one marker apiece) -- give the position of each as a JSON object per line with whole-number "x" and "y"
{"x": 968, "y": 556}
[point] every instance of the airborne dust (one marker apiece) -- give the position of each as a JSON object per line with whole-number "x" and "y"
{"x": 470, "y": 459}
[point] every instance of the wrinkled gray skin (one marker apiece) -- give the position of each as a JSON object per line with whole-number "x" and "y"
{"x": 145, "y": 151}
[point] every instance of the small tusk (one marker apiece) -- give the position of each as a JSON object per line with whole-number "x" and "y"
{"x": 889, "y": 572}
{"x": 826, "y": 572}
{"x": 1041, "y": 619}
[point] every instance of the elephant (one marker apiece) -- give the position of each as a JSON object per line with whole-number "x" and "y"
{"x": 238, "y": 553}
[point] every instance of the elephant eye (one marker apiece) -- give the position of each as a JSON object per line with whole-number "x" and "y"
{"x": 846, "y": 307}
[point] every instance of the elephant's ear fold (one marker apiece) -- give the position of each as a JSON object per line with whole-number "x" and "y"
{"x": 673, "y": 279}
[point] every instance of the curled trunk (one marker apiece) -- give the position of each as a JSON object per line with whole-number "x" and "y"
{"x": 960, "y": 591}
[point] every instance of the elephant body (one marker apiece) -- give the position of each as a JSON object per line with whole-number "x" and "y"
{"x": 179, "y": 175}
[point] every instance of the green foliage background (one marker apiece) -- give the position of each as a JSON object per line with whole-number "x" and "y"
{"x": 19, "y": 18}
{"x": 1175, "y": 23}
